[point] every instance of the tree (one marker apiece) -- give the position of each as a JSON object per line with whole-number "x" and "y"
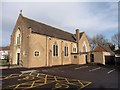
{"x": 111, "y": 46}
{"x": 100, "y": 39}
{"x": 116, "y": 39}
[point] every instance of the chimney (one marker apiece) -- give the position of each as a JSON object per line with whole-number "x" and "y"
{"x": 21, "y": 12}
{"x": 77, "y": 37}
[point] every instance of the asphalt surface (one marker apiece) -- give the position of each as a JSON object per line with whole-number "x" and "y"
{"x": 98, "y": 77}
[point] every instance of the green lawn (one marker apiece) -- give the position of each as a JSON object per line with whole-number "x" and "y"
{"x": 4, "y": 63}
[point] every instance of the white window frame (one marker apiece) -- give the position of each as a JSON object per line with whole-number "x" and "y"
{"x": 18, "y": 37}
{"x": 84, "y": 44}
{"x": 74, "y": 49}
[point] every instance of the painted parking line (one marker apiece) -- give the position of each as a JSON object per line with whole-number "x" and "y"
{"x": 94, "y": 69}
{"x": 81, "y": 67}
{"x": 110, "y": 71}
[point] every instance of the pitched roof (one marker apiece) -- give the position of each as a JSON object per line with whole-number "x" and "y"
{"x": 45, "y": 29}
{"x": 5, "y": 48}
{"x": 80, "y": 34}
{"x": 101, "y": 48}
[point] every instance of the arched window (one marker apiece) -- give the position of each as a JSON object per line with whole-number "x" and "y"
{"x": 55, "y": 50}
{"x": 18, "y": 37}
{"x": 66, "y": 50}
{"x": 84, "y": 48}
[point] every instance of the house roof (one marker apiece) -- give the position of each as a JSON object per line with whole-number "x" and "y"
{"x": 44, "y": 29}
{"x": 5, "y": 48}
{"x": 80, "y": 34}
{"x": 101, "y": 48}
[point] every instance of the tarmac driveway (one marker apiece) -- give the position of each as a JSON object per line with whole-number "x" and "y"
{"x": 68, "y": 76}
{"x": 100, "y": 76}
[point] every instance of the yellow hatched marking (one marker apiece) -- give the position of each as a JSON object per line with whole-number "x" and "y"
{"x": 30, "y": 73}
{"x": 16, "y": 86}
{"x": 86, "y": 85}
{"x": 55, "y": 78}
{"x": 60, "y": 85}
{"x": 45, "y": 79}
{"x": 11, "y": 76}
{"x": 8, "y": 76}
{"x": 32, "y": 84}
{"x": 38, "y": 74}
{"x": 67, "y": 80}
{"x": 81, "y": 83}
{"x": 20, "y": 75}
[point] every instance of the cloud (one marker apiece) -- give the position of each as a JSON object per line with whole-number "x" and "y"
{"x": 92, "y": 17}
{"x": 60, "y": 0}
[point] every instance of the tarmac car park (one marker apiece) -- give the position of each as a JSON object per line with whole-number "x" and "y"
{"x": 62, "y": 77}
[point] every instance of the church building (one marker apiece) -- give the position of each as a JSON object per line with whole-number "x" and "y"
{"x": 35, "y": 44}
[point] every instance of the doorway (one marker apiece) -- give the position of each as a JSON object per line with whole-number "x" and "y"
{"x": 18, "y": 58}
{"x": 92, "y": 57}
{"x": 86, "y": 59}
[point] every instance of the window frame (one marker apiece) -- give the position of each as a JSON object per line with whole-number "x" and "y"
{"x": 18, "y": 36}
{"x": 84, "y": 48}
{"x": 74, "y": 48}
{"x": 55, "y": 50}
{"x": 36, "y": 53}
{"x": 66, "y": 51}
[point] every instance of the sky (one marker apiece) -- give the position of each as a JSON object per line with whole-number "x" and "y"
{"x": 90, "y": 17}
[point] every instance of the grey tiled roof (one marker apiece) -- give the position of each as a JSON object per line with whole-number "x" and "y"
{"x": 44, "y": 29}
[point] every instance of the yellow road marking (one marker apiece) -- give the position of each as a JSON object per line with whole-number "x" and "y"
{"x": 8, "y": 76}
{"x": 81, "y": 83}
{"x": 30, "y": 73}
{"x": 16, "y": 86}
{"x": 20, "y": 75}
{"x": 55, "y": 78}
{"x": 86, "y": 85}
{"x": 45, "y": 79}
{"x": 59, "y": 85}
{"x": 67, "y": 80}
{"x": 32, "y": 84}
{"x": 38, "y": 74}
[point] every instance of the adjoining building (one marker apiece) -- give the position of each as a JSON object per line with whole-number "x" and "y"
{"x": 117, "y": 57}
{"x": 101, "y": 55}
{"x": 4, "y": 52}
{"x": 34, "y": 44}
{"x": 117, "y": 53}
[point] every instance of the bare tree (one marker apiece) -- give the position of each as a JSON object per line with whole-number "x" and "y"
{"x": 100, "y": 39}
{"x": 116, "y": 39}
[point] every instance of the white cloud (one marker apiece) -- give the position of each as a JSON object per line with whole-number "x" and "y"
{"x": 90, "y": 17}
{"x": 60, "y": 0}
